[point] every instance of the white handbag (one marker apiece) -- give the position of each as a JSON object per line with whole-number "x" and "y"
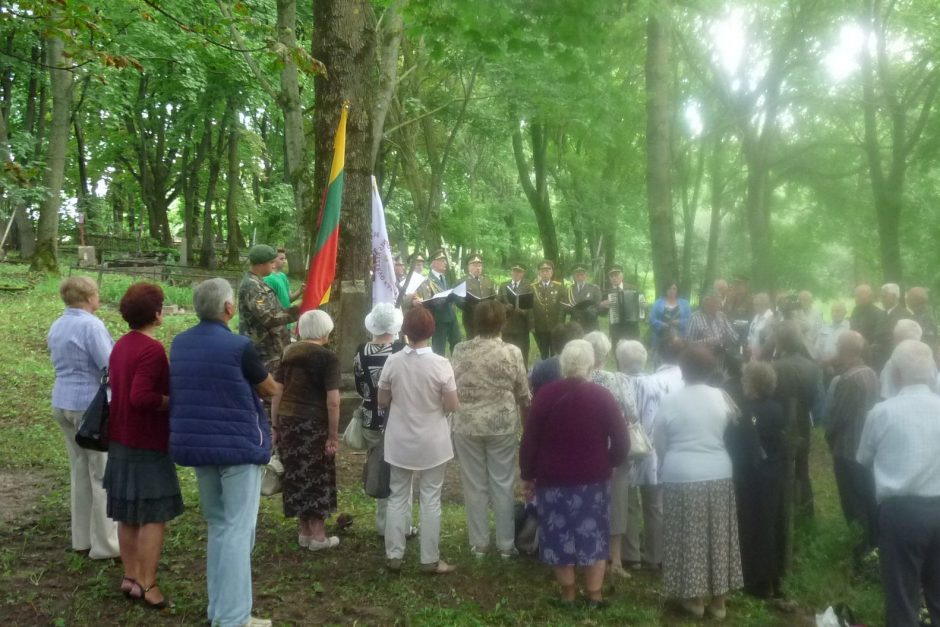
{"x": 352, "y": 436}
{"x": 640, "y": 445}
{"x": 271, "y": 476}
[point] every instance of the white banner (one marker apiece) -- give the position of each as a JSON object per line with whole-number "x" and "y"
{"x": 384, "y": 289}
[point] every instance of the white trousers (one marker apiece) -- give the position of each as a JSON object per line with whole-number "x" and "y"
{"x": 646, "y": 512}
{"x": 373, "y": 437}
{"x": 430, "y": 483}
{"x": 92, "y": 530}
{"x": 488, "y": 474}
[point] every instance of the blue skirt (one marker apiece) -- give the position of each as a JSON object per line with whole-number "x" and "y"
{"x": 142, "y": 486}
{"x": 574, "y": 524}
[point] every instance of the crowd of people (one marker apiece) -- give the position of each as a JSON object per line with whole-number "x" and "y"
{"x": 684, "y": 454}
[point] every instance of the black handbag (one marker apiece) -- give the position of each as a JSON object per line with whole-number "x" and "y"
{"x": 92, "y": 432}
{"x": 377, "y": 473}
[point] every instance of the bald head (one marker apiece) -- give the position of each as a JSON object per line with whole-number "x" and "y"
{"x": 838, "y": 311}
{"x": 850, "y": 346}
{"x": 917, "y": 298}
{"x": 721, "y": 286}
{"x": 761, "y": 303}
{"x": 863, "y": 294}
{"x": 890, "y": 294}
{"x": 806, "y": 299}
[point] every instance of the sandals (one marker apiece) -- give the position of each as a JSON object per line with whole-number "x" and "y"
{"x": 127, "y": 591}
{"x": 163, "y": 604}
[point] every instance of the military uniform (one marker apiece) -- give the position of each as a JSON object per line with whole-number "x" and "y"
{"x": 516, "y": 329}
{"x": 482, "y": 287}
{"x": 262, "y": 319}
{"x": 586, "y": 316}
{"x": 445, "y": 314}
{"x": 547, "y": 312}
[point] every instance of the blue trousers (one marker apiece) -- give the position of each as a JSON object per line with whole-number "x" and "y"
{"x": 229, "y": 496}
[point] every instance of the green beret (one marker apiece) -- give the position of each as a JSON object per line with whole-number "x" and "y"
{"x": 261, "y": 253}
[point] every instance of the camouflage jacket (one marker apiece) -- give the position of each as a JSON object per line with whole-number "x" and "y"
{"x": 262, "y": 319}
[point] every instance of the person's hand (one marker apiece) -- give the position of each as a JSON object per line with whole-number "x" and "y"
{"x": 294, "y": 311}
{"x": 332, "y": 446}
{"x": 528, "y": 490}
{"x": 604, "y": 304}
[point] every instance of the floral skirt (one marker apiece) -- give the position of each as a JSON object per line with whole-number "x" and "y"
{"x": 701, "y": 551}
{"x": 574, "y": 524}
{"x": 309, "y": 481}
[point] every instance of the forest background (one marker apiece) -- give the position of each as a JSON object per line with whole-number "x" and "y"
{"x": 794, "y": 142}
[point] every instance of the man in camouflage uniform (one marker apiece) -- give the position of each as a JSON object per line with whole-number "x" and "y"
{"x": 445, "y": 314}
{"x": 479, "y": 288}
{"x": 260, "y": 315}
{"x": 516, "y": 329}
{"x": 547, "y": 310}
{"x": 580, "y": 291}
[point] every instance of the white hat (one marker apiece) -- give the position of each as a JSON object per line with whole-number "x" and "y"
{"x": 384, "y": 318}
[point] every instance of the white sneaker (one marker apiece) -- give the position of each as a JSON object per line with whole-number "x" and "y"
{"x": 257, "y": 622}
{"x": 329, "y": 543}
{"x": 303, "y": 541}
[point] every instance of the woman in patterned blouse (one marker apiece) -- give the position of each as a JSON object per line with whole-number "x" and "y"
{"x": 493, "y": 391}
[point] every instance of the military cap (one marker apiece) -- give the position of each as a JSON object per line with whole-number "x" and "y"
{"x": 399, "y": 261}
{"x": 261, "y": 253}
{"x": 439, "y": 254}
{"x": 615, "y": 268}
{"x": 546, "y": 263}
{"x": 579, "y": 268}
{"x": 475, "y": 259}
{"x": 419, "y": 258}
{"x": 518, "y": 266}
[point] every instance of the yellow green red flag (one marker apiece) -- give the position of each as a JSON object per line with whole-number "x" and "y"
{"x": 322, "y": 268}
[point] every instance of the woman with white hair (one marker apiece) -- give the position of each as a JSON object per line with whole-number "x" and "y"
{"x": 305, "y": 420}
{"x": 574, "y": 437}
{"x": 643, "y": 543}
{"x": 620, "y": 482}
{"x": 384, "y": 323}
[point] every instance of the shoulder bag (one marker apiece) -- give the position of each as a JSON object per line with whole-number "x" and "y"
{"x": 92, "y": 431}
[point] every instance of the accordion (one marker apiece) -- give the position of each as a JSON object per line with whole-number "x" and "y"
{"x": 624, "y": 306}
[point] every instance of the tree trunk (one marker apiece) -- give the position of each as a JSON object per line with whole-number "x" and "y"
{"x": 84, "y": 187}
{"x": 716, "y": 186}
{"x": 757, "y": 210}
{"x": 658, "y": 147}
{"x": 345, "y": 43}
{"x": 537, "y": 194}
{"x": 46, "y": 258}
{"x": 231, "y": 209}
{"x": 389, "y": 46}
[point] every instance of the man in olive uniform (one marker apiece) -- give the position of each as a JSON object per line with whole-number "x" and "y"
{"x": 626, "y": 307}
{"x": 547, "y": 310}
{"x": 580, "y": 291}
{"x": 260, "y": 315}
{"x": 445, "y": 314}
{"x": 400, "y": 270}
{"x": 479, "y": 288}
{"x": 516, "y": 329}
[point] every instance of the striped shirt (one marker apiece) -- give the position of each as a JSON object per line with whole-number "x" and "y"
{"x": 80, "y": 346}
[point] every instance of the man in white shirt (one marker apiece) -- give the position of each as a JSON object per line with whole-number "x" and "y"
{"x": 900, "y": 442}
{"x": 759, "y": 331}
{"x": 812, "y": 322}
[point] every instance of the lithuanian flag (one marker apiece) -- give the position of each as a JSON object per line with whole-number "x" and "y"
{"x": 322, "y": 269}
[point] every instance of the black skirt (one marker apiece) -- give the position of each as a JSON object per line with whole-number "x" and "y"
{"x": 142, "y": 486}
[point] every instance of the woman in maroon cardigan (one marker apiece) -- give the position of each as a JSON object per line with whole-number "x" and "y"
{"x": 574, "y": 436}
{"x": 140, "y": 479}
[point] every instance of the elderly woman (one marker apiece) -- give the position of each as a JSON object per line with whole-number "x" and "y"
{"x": 140, "y": 479}
{"x": 620, "y": 482}
{"x": 701, "y": 557}
{"x": 645, "y": 501}
{"x": 669, "y": 316}
{"x": 305, "y": 423}
{"x": 417, "y": 387}
{"x": 493, "y": 392}
{"x": 758, "y": 479}
{"x": 384, "y": 323}
{"x": 574, "y": 437}
{"x": 80, "y": 347}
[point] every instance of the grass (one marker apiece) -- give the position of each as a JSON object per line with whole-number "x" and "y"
{"x": 45, "y": 583}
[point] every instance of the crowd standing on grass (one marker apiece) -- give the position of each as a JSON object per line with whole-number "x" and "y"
{"x": 687, "y": 458}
